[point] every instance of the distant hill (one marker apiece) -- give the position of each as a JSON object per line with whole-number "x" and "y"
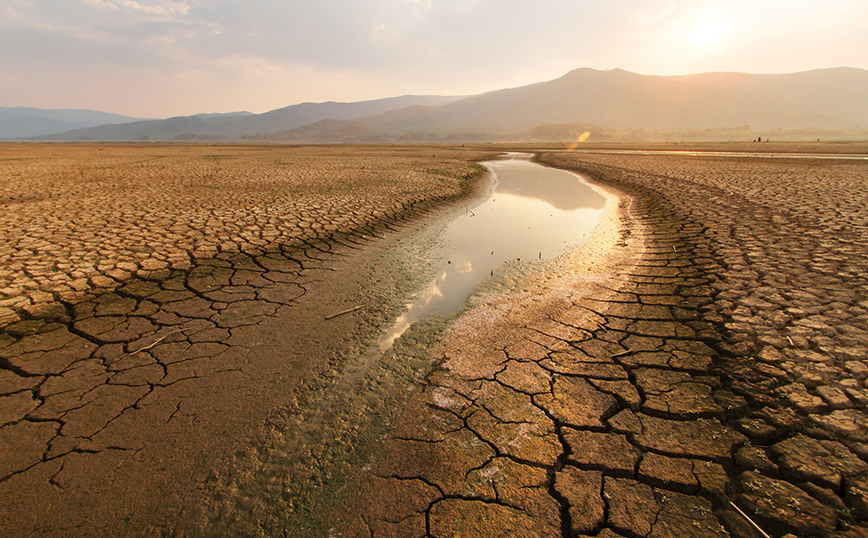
{"x": 237, "y": 125}
{"x": 23, "y": 122}
{"x": 615, "y": 104}
{"x": 617, "y": 99}
{"x": 224, "y": 114}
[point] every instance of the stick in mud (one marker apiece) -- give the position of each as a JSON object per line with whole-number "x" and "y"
{"x": 157, "y": 341}
{"x": 347, "y": 311}
{"x": 749, "y": 520}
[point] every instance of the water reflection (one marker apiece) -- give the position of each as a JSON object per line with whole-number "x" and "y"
{"x": 532, "y": 213}
{"x": 561, "y": 189}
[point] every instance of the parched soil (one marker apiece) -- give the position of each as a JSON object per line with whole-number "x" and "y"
{"x": 79, "y": 220}
{"x": 157, "y": 303}
{"x": 706, "y": 377}
{"x": 697, "y": 368}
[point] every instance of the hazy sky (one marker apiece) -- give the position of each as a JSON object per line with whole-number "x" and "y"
{"x": 158, "y": 58}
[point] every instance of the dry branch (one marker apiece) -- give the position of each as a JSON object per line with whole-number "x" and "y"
{"x": 749, "y": 520}
{"x": 347, "y": 311}
{"x": 157, "y": 341}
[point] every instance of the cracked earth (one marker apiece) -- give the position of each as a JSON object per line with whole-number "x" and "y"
{"x": 157, "y": 302}
{"x": 708, "y": 381}
{"x": 697, "y": 369}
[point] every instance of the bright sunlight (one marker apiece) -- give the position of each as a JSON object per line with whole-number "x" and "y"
{"x": 707, "y": 34}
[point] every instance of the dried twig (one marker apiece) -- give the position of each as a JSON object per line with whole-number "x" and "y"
{"x": 347, "y": 311}
{"x": 749, "y": 520}
{"x": 157, "y": 341}
{"x": 621, "y": 354}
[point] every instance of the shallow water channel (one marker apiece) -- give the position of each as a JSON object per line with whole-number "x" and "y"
{"x": 529, "y": 212}
{"x": 298, "y": 480}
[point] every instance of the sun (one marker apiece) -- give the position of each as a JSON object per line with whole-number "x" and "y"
{"x": 707, "y": 33}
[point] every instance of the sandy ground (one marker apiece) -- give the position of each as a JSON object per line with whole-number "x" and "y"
{"x": 699, "y": 369}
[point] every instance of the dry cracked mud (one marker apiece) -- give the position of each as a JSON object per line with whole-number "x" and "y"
{"x": 697, "y": 369}
{"x": 157, "y": 302}
{"x": 706, "y": 380}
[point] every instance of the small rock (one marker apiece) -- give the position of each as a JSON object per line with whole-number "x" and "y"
{"x": 732, "y": 404}
{"x": 669, "y": 473}
{"x": 713, "y": 480}
{"x": 625, "y": 422}
{"x": 151, "y": 264}
{"x": 701, "y": 439}
{"x": 824, "y": 495}
{"x": 632, "y": 506}
{"x": 811, "y": 380}
{"x": 860, "y": 395}
{"x": 14, "y": 407}
{"x": 685, "y": 515}
{"x": 757, "y": 430}
{"x": 771, "y": 355}
{"x": 770, "y": 371}
{"x": 781, "y": 417}
{"x": 610, "y": 452}
{"x": 849, "y": 423}
{"x": 575, "y": 402}
{"x": 582, "y": 490}
{"x": 857, "y": 368}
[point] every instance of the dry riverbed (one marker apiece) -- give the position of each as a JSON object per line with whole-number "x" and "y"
{"x": 697, "y": 368}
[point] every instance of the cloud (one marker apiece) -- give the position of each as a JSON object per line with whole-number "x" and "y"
{"x": 160, "y": 8}
{"x": 14, "y": 9}
{"x": 101, "y": 4}
{"x": 405, "y": 46}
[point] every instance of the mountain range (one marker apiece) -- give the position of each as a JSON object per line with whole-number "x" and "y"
{"x": 604, "y": 101}
{"x": 236, "y": 125}
{"x": 23, "y": 122}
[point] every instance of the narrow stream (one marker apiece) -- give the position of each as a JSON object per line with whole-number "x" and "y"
{"x": 295, "y": 481}
{"x": 530, "y": 212}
